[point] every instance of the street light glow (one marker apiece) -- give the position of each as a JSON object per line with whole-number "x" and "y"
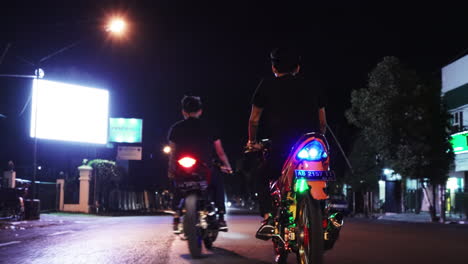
{"x": 167, "y": 149}
{"x": 117, "y": 26}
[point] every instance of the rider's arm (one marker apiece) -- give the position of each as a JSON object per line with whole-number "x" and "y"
{"x": 322, "y": 120}
{"x": 254, "y": 119}
{"x": 221, "y": 154}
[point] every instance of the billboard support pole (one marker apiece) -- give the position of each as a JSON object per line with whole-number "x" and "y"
{"x": 35, "y": 138}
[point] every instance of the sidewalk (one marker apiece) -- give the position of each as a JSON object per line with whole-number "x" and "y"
{"x": 423, "y": 217}
{"x": 47, "y": 219}
{"x": 63, "y": 218}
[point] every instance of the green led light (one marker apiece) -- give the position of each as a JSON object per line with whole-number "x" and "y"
{"x": 301, "y": 185}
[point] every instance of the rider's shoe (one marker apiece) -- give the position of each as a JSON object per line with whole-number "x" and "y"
{"x": 222, "y": 226}
{"x": 175, "y": 225}
{"x": 266, "y": 230}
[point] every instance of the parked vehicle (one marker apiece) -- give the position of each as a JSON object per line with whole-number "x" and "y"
{"x": 338, "y": 203}
{"x": 12, "y": 203}
{"x": 302, "y": 224}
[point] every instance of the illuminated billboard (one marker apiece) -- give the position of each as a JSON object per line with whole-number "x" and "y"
{"x": 68, "y": 112}
{"x": 125, "y": 130}
{"x": 459, "y": 142}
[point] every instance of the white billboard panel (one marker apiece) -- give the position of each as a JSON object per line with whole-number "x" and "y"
{"x": 62, "y": 111}
{"x": 455, "y": 74}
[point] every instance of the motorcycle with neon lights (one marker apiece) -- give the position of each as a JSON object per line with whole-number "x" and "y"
{"x": 303, "y": 223}
{"x": 200, "y": 223}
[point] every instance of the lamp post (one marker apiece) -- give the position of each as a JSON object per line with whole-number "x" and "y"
{"x": 116, "y": 27}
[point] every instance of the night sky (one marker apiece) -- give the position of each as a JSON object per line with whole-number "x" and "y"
{"x": 217, "y": 50}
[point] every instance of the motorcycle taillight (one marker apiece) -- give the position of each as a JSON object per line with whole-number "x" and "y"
{"x": 187, "y": 162}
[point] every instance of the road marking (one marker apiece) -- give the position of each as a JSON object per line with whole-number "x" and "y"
{"x": 9, "y": 243}
{"x": 61, "y": 233}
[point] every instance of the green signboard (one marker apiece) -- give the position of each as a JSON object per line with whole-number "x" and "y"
{"x": 125, "y": 130}
{"x": 460, "y": 142}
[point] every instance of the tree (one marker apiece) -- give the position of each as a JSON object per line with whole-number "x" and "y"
{"x": 365, "y": 166}
{"x": 401, "y": 117}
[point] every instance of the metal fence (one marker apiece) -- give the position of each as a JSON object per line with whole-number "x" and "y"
{"x": 47, "y": 194}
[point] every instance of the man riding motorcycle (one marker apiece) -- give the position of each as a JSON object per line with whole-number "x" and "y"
{"x": 193, "y": 135}
{"x": 288, "y": 106}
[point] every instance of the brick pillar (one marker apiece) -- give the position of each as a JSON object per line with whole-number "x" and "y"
{"x": 60, "y": 186}
{"x": 85, "y": 178}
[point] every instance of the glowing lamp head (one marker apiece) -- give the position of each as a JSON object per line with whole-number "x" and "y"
{"x": 167, "y": 149}
{"x": 117, "y": 26}
{"x": 187, "y": 162}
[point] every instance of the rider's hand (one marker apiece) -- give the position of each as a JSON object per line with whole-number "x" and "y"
{"x": 253, "y": 146}
{"x": 226, "y": 169}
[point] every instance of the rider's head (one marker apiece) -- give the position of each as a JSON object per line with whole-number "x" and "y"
{"x": 285, "y": 61}
{"x": 191, "y": 106}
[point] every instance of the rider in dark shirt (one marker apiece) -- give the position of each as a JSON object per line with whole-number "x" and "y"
{"x": 195, "y": 136}
{"x": 288, "y": 106}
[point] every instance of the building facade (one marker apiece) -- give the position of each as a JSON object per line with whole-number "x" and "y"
{"x": 455, "y": 94}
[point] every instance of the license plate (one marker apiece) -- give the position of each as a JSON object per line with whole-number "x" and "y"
{"x": 315, "y": 175}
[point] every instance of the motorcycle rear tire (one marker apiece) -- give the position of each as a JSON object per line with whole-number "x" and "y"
{"x": 192, "y": 231}
{"x": 309, "y": 214}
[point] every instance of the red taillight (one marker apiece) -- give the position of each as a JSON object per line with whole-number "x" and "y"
{"x": 187, "y": 162}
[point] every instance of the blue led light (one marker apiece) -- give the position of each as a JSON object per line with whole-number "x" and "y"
{"x": 313, "y": 151}
{"x": 303, "y": 154}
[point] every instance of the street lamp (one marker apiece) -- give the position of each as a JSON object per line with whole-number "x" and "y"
{"x": 167, "y": 149}
{"x": 116, "y": 27}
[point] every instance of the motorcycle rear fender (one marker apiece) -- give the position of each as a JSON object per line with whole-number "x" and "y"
{"x": 293, "y": 163}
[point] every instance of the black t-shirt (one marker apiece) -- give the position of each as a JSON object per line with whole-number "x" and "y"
{"x": 193, "y": 136}
{"x": 290, "y": 108}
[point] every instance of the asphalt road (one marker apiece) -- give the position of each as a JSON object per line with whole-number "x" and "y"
{"x": 148, "y": 239}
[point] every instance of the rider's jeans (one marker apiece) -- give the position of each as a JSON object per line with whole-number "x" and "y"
{"x": 216, "y": 190}
{"x": 269, "y": 171}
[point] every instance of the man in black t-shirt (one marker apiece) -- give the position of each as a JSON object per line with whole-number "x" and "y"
{"x": 289, "y": 106}
{"x": 194, "y": 136}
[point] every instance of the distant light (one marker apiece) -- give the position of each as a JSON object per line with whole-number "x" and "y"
{"x": 117, "y": 26}
{"x": 228, "y": 204}
{"x": 452, "y": 184}
{"x": 256, "y": 194}
{"x": 39, "y": 167}
{"x": 167, "y": 149}
{"x": 41, "y": 73}
{"x": 387, "y": 172}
